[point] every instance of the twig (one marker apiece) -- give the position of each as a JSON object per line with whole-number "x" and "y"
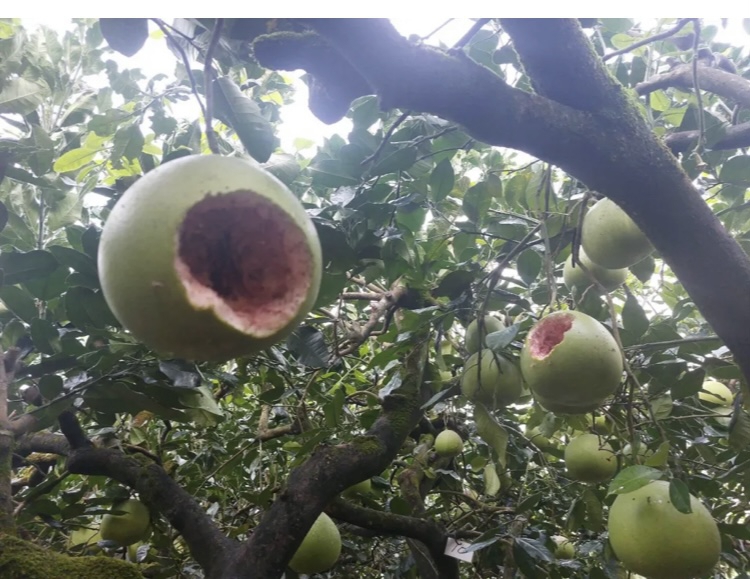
{"x": 386, "y": 306}
{"x": 476, "y": 27}
{"x": 701, "y": 121}
{"x": 494, "y": 275}
{"x": 208, "y": 76}
{"x": 186, "y": 64}
{"x": 661, "y": 36}
{"x": 386, "y": 138}
{"x": 361, "y": 296}
{"x": 667, "y": 344}
{"x": 438, "y": 29}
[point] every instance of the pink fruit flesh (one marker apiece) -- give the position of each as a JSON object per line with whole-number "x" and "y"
{"x": 244, "y": 257}
{"x": 548, "y": 334}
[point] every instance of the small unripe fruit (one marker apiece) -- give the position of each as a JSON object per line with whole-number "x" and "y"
{"x": 209, "y": 258}
{"x": 449, "y": 443}
{"x": 611, "y": 238}
{"x": 589, "y": 459}
{"x": 473, "y": 343}
{"x": 564, "y": 549}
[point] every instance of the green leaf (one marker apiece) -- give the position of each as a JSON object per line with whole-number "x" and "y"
{"x": 309, "y": 346}
{"x": 529, "y": 503}
{"x": 679, "y": 495}
{"x": 634, "y": 319}
{"x": 533, "y": 548}
{"x": 659, "y": 101}
{"x": 334, "y": 173}
{"x": 739, "y": 429}
{"x": 736, "y": 171}
{"x": 492, "y": 433}
{"x": 529, "y": 265}
{"x": 399, "y": 160}
{"x": 477, "y": 202}
{"x": 442, "y": 180}
{"x": 244, "y": 116}
{"x": 49, "y": 287}
{"x": 75, "y": 260}
{"x": 454, "y": 284}
{"x": 594, "y": 516}
{"x": 284, "y": 167}
{"x": 20, "y": 267}
{"x": 74, "y": 160}
{"x": 500, "y": 340}
{"x": 21, "y": 96}
{"x": 644, "y": 269}
{"x": 19, "y": 302}
{"x": 491, "y": 480}
{"x": 688, "y": 384}
{"x": 45, "y": 336}
{"x": 632, "y": 478}
{"x": 128, "y": 143}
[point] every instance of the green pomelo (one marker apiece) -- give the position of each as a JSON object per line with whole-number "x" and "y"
{"x": 575, "y": 277}
{"x": 473, "y": 343}
{"x": 85, "y": 538}
{"x": 715, "y": 393}
{"x": 127, "y": 527}
{"x": 359, "y": 489}
{"x": 209, "y": 258}
{"x": 497, "y": 382}
{"x": 571, "y": 362}
{"x": 600, "y": 424}
{"x": 651, "y": 537}
{"x": 611, "y": 238}
{"x": 589, "y": 459}
{"x": 320, "y": 549}
{"x": 640, "y": 456}
{"x": 564, "y": 549}
{"x": 449, "y": 443}
{"x": 542, "y": 442}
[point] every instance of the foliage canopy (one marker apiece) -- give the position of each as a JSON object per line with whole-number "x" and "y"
{"x": 428, "y": 218}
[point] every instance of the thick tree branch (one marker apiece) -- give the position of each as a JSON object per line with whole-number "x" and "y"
{"x": 560, "y": 66}
{"x": 335, "y": 82}
{"x": 432, "y": 534}
{"x": 734, "y": 138}
{"x": 714, "y": 80}
{"x": 330, "y": 470}
{"x": 42, "y": 442}
{"x": 613, "y": 151}
{"x": 208, "y": 545}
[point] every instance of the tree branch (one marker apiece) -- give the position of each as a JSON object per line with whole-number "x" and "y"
{"x": 208, "y": 545}
{"x": 330, "y": 470}
{"x": 429, "y": 532}
{"x": 714, "y": 80}
{"x": 42, "y": 442}
{"x": 735, "y": 137}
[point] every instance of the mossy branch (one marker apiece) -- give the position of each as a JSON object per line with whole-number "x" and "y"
{"x": 208, "y": 545}
{"x": 331, "y": 469}
{"x": 429, "y": 532}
